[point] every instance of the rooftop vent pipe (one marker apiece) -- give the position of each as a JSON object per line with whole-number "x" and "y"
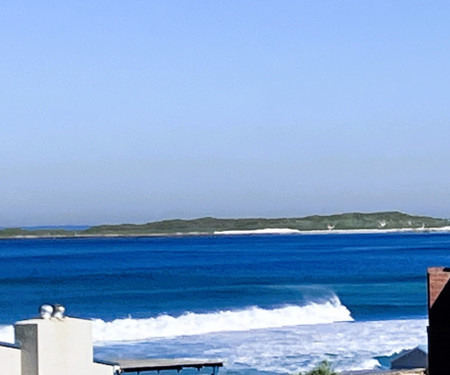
{"x": 47, "y": 311}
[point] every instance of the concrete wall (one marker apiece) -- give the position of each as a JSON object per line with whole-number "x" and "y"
{"x": 10, "y": 360}
{"x": 57, "y": 346}
{"x": 26, "y": 339}
{"x": 102, "y": 369}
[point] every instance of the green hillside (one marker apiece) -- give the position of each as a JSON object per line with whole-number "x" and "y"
{"x": 207, "y": 225}
{"x": 381, "y": 220}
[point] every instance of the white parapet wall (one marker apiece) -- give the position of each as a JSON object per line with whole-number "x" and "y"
{"x": 10, "y": 360}
{"x": 103, "y": 369}
{"x": 57, "y": 346}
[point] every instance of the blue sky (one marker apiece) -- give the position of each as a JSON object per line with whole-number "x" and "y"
{"x": 133, "y": 111}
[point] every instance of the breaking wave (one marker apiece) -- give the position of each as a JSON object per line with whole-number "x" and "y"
{"x": 7, "y": 334}
{"x": 242, "y": 320}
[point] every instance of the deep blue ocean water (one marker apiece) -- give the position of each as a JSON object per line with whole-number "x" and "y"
{"x": 207, "y": 296}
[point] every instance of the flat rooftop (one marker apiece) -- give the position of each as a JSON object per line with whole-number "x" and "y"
{"x": 140, "y": 365}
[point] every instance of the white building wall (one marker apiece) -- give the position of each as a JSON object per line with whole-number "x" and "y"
{"x": 26, "y": 339}
{"x": 102, "y": 369}
{"x": 57, "y": 346}
{"x": 10, "y": 360}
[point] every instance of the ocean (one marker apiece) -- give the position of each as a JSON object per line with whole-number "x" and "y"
{"x": 265, "y": 304}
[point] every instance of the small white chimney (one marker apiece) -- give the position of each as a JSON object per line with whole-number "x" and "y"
{"x": 51, "y": 345}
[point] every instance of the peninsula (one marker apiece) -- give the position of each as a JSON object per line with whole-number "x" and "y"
{"x": 379, "y": 221}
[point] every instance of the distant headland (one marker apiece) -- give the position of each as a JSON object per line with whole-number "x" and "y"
{"x": 340, "y": 223}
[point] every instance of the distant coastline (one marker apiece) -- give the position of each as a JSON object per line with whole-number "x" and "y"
{"x": 334, "y": 231}
{"x": 348, "y": 223}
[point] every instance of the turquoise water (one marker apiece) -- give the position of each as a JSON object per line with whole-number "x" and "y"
{"x": 203, "y": 296}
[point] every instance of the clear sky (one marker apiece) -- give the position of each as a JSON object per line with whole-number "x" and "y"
{"x": 134, "y": 111}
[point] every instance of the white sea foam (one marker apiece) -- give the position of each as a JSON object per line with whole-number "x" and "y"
{"x": 243, "y": 320}
{"x": 349, "y": 346}
{"x": 7, "y": 334}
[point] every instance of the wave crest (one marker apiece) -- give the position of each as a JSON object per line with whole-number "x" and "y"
{"x": 243, "y": 320}
{"x": 7, "y": 334}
